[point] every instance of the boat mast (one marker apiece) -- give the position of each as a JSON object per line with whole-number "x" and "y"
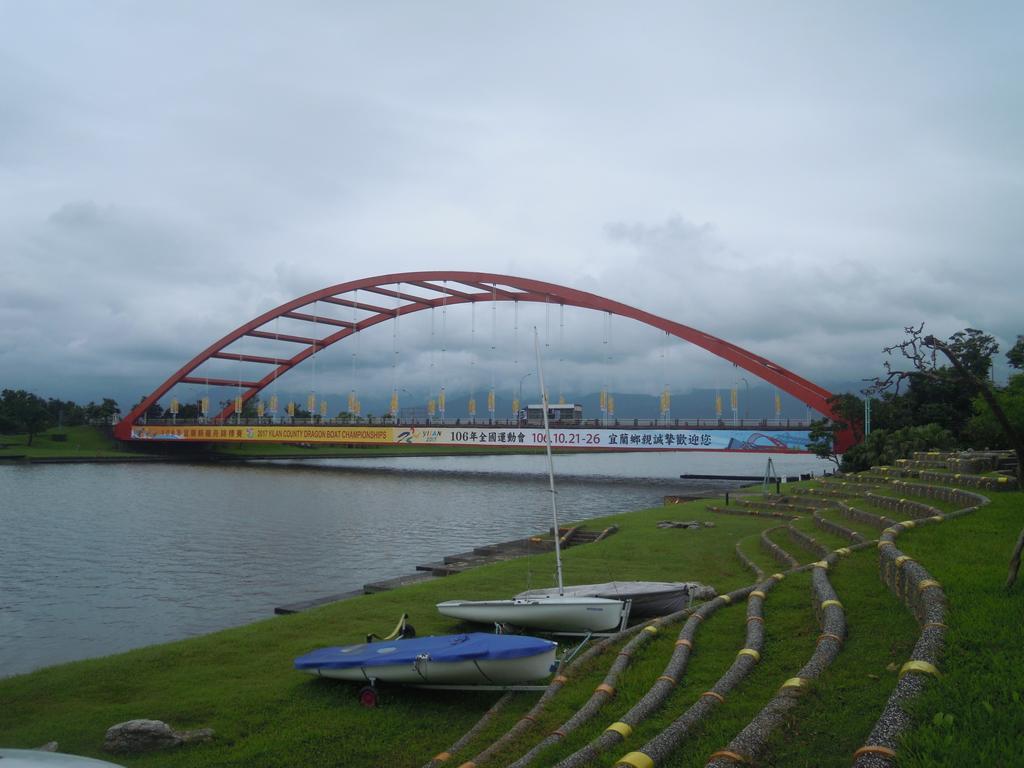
{"x": 551, "y": 463}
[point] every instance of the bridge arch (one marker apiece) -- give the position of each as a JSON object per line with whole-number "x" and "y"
{"x": 418, "y": 291}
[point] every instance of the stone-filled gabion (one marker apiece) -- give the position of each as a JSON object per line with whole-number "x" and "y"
{"x": 903, "y": 507}
{"x": 807, "y": 541}
{"x": 557, "y": 683}
{"x": 750, "y": 512}
{"x": 776, "y": 504}
{"x": 940, "y": 492}
{"x": 662, "y": 745}
{"x": 443, "y": 757}
{"x": 985, "y": 482}
{"x": 662, "y": 687}
{"x": 835, "y": 528}
{"x": 860, "y": 516}
{"x": 605, "y": 690}
{"x": 849, "y": 487}
{"x": 748, "y": 563}
{"x": 926, "y": 600}
{"x": 778, "y": 553}
{"x": 752, "y": 740}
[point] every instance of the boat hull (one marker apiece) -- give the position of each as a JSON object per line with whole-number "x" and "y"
{"x": 551, "y": 614}
{"x": 648, "y": 598}
{"x": 470, "y": 659}
{"x": 506, "y": 672}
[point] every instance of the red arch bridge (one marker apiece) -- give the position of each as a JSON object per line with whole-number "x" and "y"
{"x": 320, "y": 315}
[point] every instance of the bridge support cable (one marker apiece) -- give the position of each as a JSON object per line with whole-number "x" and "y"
{"x": 494, "y": 353}
{"x": 471, "y": 288}
{"x": 354, "y": 407}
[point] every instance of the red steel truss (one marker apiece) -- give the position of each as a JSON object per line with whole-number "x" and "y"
{"x": 434, "y": 289}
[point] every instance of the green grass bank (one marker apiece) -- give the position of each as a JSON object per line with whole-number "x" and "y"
{"x": 240, "y": 681}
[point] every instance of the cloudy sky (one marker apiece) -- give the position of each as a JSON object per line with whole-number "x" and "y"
{"x": 803, "y": 179}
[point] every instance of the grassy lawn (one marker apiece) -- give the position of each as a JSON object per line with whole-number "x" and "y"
{"x": 240, "y": 681}
{"x": 82, "y": 442}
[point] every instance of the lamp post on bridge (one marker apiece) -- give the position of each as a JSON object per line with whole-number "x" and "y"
{"x": 524, "y": 377}
{"x": 406, "y": 391}
{"x": 746, "y": 402}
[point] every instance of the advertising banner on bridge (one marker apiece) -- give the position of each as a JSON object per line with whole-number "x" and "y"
{"x": 272, "y": 433}
{"x": 578, "y": 438}
{"x": 634, "y": 439}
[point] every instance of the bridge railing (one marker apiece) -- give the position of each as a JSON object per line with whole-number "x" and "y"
{"x": 609, "y": 423}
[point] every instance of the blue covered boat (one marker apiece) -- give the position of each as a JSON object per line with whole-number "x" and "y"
{"x": 469, "y": 659}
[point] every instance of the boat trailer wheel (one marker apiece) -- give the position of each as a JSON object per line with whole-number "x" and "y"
{"x": 368, "y": 696}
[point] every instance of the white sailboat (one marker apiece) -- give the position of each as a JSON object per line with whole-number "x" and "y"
{"x": 550, "y": 612}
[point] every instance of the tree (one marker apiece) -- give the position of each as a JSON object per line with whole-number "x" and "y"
{"x": 103, "y": 413}
{"x": 22, "y": 411}
{"x": 848, "y": 410}
{"x": 983, "y": 430}
{"x": 970, "y": 353}
{"x": 883, "y": 446}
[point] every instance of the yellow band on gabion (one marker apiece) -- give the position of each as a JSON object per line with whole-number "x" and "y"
{"x": 778, "y": 576}
{"x": 872, "y": 750}
{"x": 919, "y": 666}
{"x": 1002, "y": 479}
{"x": 605, "y": 688}
{"x": 844, "y": 551}
{"x": 757, "y": 593}
{"x": 908, "y": 523}
{"x": 668, "y": 679}
{"x": 890, "y": 531}
{"x": 934, "y": 625}
{"x": 653, "y": 630}
{"x": 560, "y": 679}
{"x": 725, "y": 599}
{"x": 734, "y": 756}
{"x": 821, "y": 564}
{"x": 750, "y": 652}
{"x": 927, "y": 584}
{"x": 829, "y": 636}
{"x": 440, "y": 758}
{"x": 685, "y": 642}
{"x": 886, "y": 544}
{"x": 623, "y": 729}
{"x": 826, "y": 603}
{"x": 636, "y": 760}
{"x": 468, "y": 764}
{"x": 715, "y": 695}
{"x": 937, "y": 518}
{"x": 698, "y": 617}
{"x": 903, "y": 559}
{"x": 795, "y": 682}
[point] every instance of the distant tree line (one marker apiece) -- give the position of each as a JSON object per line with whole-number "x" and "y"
{"x": 25, "y": 413}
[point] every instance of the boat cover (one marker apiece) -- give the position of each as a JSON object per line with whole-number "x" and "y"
{"x": 443, "y": 648}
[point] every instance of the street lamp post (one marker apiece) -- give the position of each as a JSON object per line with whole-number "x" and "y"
{"x": 746, "y": 403}
{"x": 524, "y": 377}
{"x": 406, "y": 391}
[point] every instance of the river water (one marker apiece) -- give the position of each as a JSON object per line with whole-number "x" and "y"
{"x": 101, "y": 558}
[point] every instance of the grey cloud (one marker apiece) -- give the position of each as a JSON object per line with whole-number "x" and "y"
{"x": 801, "y": 181}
